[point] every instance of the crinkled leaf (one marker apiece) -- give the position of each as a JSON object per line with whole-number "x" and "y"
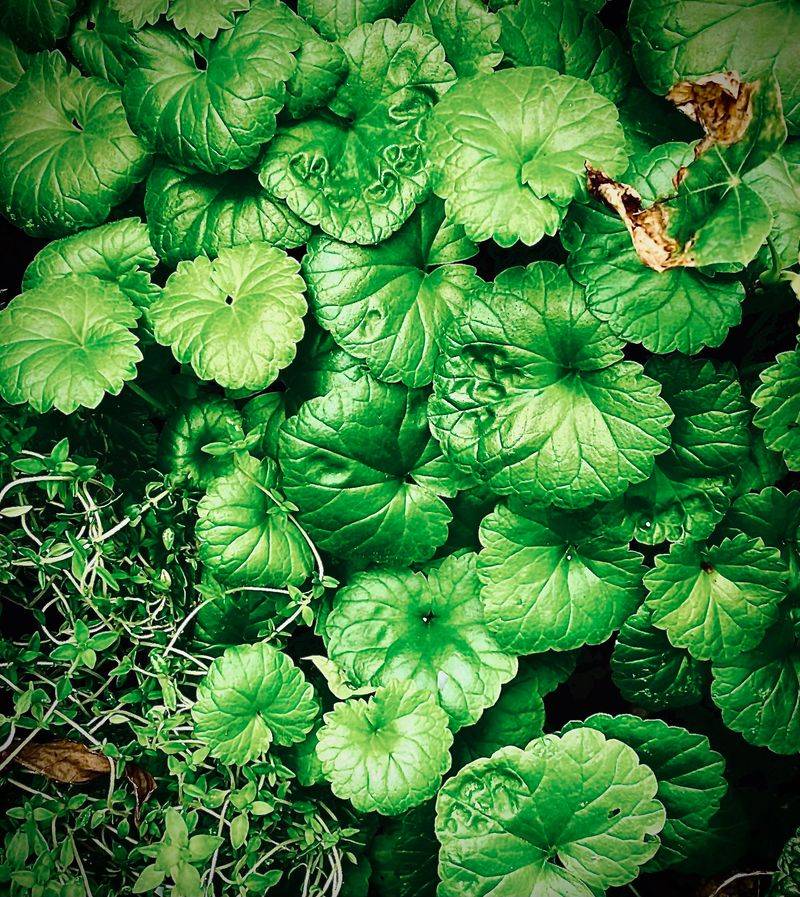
{"x": 519, "y": 715}
{"x": 568, "y": 816}
{"x": 211, "y": 105}
{"x": 67, "y": 343}
{"x": 508, "y": 150}
{"x": 118, "y": 252}
{"x": 389, "y": 304}
{"x": 555, "y": 579}
{"x": 682, "y": 40}
{"x": 37, "y": 24}
{"x": 679, "y": 309}
{"x": 361, "y": 465}
{"x": 191, "y": 214}
{"x": 102, "y": 44}
{"x": 777, "y": 182}
{"x": 531, "y": 396}
{"x": 194, "y": 425}
{"x": 690, "y": 776}
{"x": 650, "y": 672}
{"x": 568, "y": 37}
{"x": 778, "y": 404}
{"x": 758, "y": 691}
{"x": 251, "y": 696}
{"x": 387, "y": 754}
{"x": 395, "y": 625}
{"x": 140, "y": 12}
{"x": 67, "y": 153}
{"x": 404, "y": 855}
{"x": 716, "y": 600}
{"x": 244, "y": 538}
{"x": 786, "y": 880}
{"x": 359, "y": 175}
{"x": 206, "y": 18}
{"x": 337, "y": 18}
{"x": 466, "y": 29}
{"x": 236, "y": 319}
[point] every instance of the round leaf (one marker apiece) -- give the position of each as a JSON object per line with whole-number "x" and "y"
{"x": 363, "y": 468}
{"x": 389, "y": 304}
{"x": 554, "y": 579}
{"x": 650, "y": 672}
{"x": 531, "y": 396}
{"x": 395, "y": 625}
{"x": 579, "y": 799}
{"x": 387, "y": 754}
{"x": 191, "y": 214}
{"x": 252, "y": 695}
{"x": 67, "y": 153}
{"x": 690, "y": 776}
{"x": 508, "y": 150}
{"x": 716, "y": 600}
{"x": 67, "y": 343}
{"x": 237, "y": 319}
{"x": 245, "y": 538}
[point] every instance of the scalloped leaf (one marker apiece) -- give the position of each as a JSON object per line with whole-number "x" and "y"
{"x": 778, "y": 404}
{"x": 67, "y": 354}
{"x": 37, "y": 24}
{"x": 387, "y": 754}
{"x": 716, "y": 600}
{"x": 570, "y": 815}
{"x": 102, "y": 44}
{"x": 67, "y": 153}
{"x": 531, "y": 395}
{"x": 555, "y": 579}
{"x": 427, "y": 630}
{"x": 237, "y": 319}
{"x": 507, "y": 164}
{"x": 251, "y": 696}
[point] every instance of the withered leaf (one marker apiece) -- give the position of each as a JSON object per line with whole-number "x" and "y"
{"x": 721, "y": 104}
{"x": 143, "y": 786}
{"x": 63, "y": 761}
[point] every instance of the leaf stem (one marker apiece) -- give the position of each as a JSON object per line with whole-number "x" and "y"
{"x": 148, "y": 397}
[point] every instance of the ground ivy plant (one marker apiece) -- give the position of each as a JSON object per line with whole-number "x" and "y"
{"x": 399, "y": 448}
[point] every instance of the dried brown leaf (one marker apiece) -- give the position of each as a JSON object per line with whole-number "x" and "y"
{"x": 64, "y": 761}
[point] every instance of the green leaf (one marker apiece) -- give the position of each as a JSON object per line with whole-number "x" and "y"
{"x": 235, "y": 618}
{"x": 387, "y": 754}
{"x": 244, "y": 539}
{"x": 363, "y": 468}
{"x": 212, "y": 105}
{"x": 191, "y": 214}
{"x": 532, "y": 397}
{"x": 786, "y": 880}
{"x": 519, "y": 714}
{"x": 507, "y": 165}
{"x": 237, "y": 319}
{"x": 13, "y": 63}
{"x": 690, "y": 777}
{"x": 650, "y": 121}
{"x": 240, "y": 825}
{"x": 118, "y": 252}
{"x": 37, "y": 24}
{"x": 187, "y": 881}
{"x": 149, "y": 879}
{"x": 252, "y": 695}
{"x": 398, "y": 626}
{"x": 263, "y": 418}
{"x": 207, "y": 18}
{"x": 337, "y": 18}
{"x": 140, "y": 12}
{"x": 565, "y": 36}
{"x": 102, "y": 44}
{"x": 321, "y": 68}
{"x": 336, "y": 678}
{"x": 67, "y": 153}
{"x": 680, "y": 309}
{"x": 555, "y": 579}
{"x": 758, "y": 691}
{"x": 194, "y": 425}
{"x": 650, "y": 672}
{"x": 404, "y": 855}
{"x": 716, "y": 600}
{"x": 359, "y": 175}
{"x": 389, "y": 304}
{"x": 680, "y": 40}
{"x": 777, "y": 182}
{"x": 468, "y": 32}
{"x": 71, "y": 353}
{"x": 778, "y": 404}
{"x": 570, "y": 815}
